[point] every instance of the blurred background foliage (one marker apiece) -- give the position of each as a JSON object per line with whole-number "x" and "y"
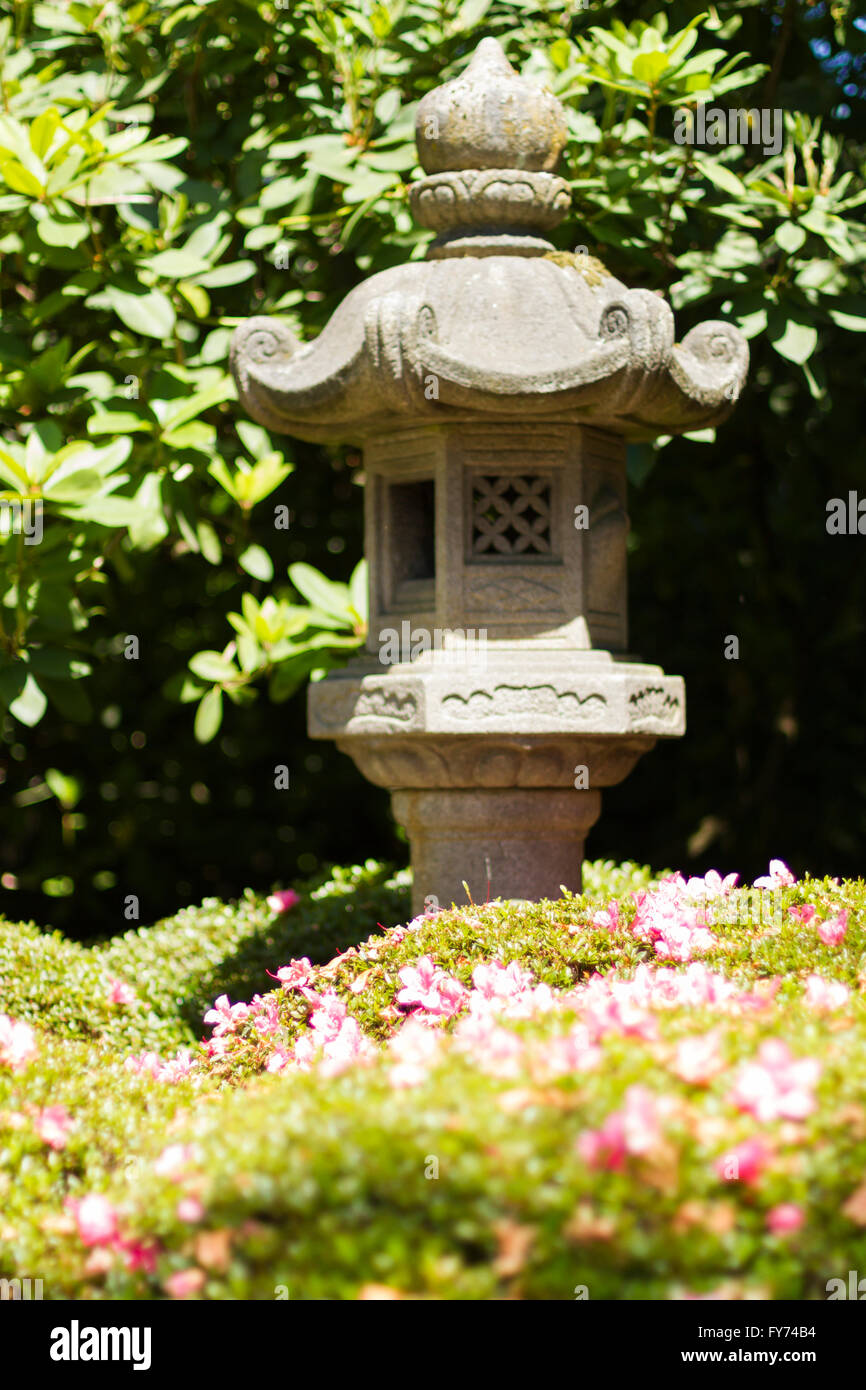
{"x": 167, "y": 169}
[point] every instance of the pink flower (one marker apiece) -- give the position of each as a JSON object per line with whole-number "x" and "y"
{"x": 497, "y": 981}
{"x": 669, "y": 919}
{"x": 607, "y": 917}
{"x": 189, "y": 1209}
{"x": 278, "y": 1060}
{"x": 328, "y": 1014}
{"x": 17, "y": 1043}
{"x": 823, "y": 996}
{"x": 439, "y": 995}
{"x": 282, "y": 899}
{"x": 633, "y": 1129}
{"x": 803, "y": 914}
{"x": 712, "y": 885}
{"x": 419, "y": 983}
{"x": 52, "y": 1124}
{"x": 120, "y": 993}
{"x": 777, "y": 1086}
{"x": 745, "y": 1162}
{"x": 265, "y": 1013}
{"x": 174, "y": 1161}
{"x": 177, "y": 1067}
{"x": 832, "y": 931}
{"x": 348, "y": 1047}
{"x": 96, "y": 1219}
{"x": 780, "y": 876}
{"x": 697, "y": 1060}
{"x": 563, "y": 1056}
{"x": 139, "y": 1254}
{"x": 185, "y": 1282}
{"x": 226, "y": 1016}
{"x": 149, "y": 1062}
{"x": 414, "y": 1049}
{"x": 787, "y": 1216}
{"x": 295, "y": 974}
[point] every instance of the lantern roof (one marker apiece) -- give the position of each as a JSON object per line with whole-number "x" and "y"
{"x": 495, "y": 322}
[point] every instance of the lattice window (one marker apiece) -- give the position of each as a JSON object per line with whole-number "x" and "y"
{"x": 511, "y": 515}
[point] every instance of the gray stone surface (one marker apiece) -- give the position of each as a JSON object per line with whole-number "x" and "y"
{"x": 493, "y": 387}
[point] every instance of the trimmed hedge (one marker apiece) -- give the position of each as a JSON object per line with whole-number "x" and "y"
{"x": 596, "y": 1109}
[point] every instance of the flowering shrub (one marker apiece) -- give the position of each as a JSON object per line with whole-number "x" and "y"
{"x": 489, "y": 1101}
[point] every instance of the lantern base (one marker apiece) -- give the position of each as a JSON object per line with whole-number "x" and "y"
{"x": 501, "y": 843}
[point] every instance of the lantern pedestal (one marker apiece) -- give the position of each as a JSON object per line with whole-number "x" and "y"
{"x": 505, "y": 844}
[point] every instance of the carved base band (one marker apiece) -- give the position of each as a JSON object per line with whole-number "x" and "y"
{"x": 529, "y": 842}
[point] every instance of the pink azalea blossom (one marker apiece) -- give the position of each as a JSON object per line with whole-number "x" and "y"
{"x": 121, "y": 993}
{"x": 697, "y": 1060}
{"x": 745, "y": 1162}
{"x": 607, "y": 917}
{"x": 712, "y": 885}
{"x": 668, "y": 919}
{"x": 777, "y": 1085}
{"x": 282, "y": 899}
{"x": 415, "y": 1049}
{"x": 177, "y": 1067}
{"x": 185, "y": 1282}
{"x": 633, "y": 1129}
{"x": 139, "y": 1254}
{"x": 174, "y": 1161}
{"x": 785, "y": 1217}
{"x": 426, "y": 985}
{"x": 17, "y": 1043}
{"x": 147, "y": 1062}
{"x": 780, "y": 876}
{"x": 265, "y": 1013}
{"x": 824, "y": 996}
{"x": 349, "y": 1047}
{"x": 278, "y": 1060}
{"x": 53, "y": 1124}
{"x": 563, "y": 1056}
{"x": 226, "y": 1016}
{"x": 96, "y": 1219}
{"x": 189, "y": 1209}
{"x": 496, "y": 981}
{"x": 295, "y": 974}
{"x": 327, "y": 1017}
{"x": 804, "y": 914}
{"x": 832, "y": 931}
{"x": 172, "y": 1069}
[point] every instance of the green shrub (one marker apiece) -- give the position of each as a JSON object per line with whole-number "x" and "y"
{"x": 580, "y": 1138}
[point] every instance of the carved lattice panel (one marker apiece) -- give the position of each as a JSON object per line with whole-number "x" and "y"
{"x": 511, "y": 515}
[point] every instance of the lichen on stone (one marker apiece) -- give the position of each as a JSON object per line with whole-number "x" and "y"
{"x": 592, "y": 269}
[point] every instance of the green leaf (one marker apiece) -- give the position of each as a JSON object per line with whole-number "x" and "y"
{"x": 175, "y": 265}
{"x": 212, "y": 667}
{"x": 20, "y": 180}
{"x": 648, "y": 67}
{"x": 232, "y": 274}
{"x": 61, "y": 231}
{"x": 790, "y": 236}
{"x": 797, "y": 340}
{"x": 209, "y": 543}
{"x": 319, "y": 591}
{"x": 855, "y": 323}
{"x": 42, "y": 132}
{"x": 257, "y": 562}
{"x": 151, "y": 314}
{"x": 209, "y": 715}
{"x": 30, "y": 705}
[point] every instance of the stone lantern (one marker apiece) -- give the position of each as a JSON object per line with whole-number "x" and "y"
{"x": 493, "y": 387}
